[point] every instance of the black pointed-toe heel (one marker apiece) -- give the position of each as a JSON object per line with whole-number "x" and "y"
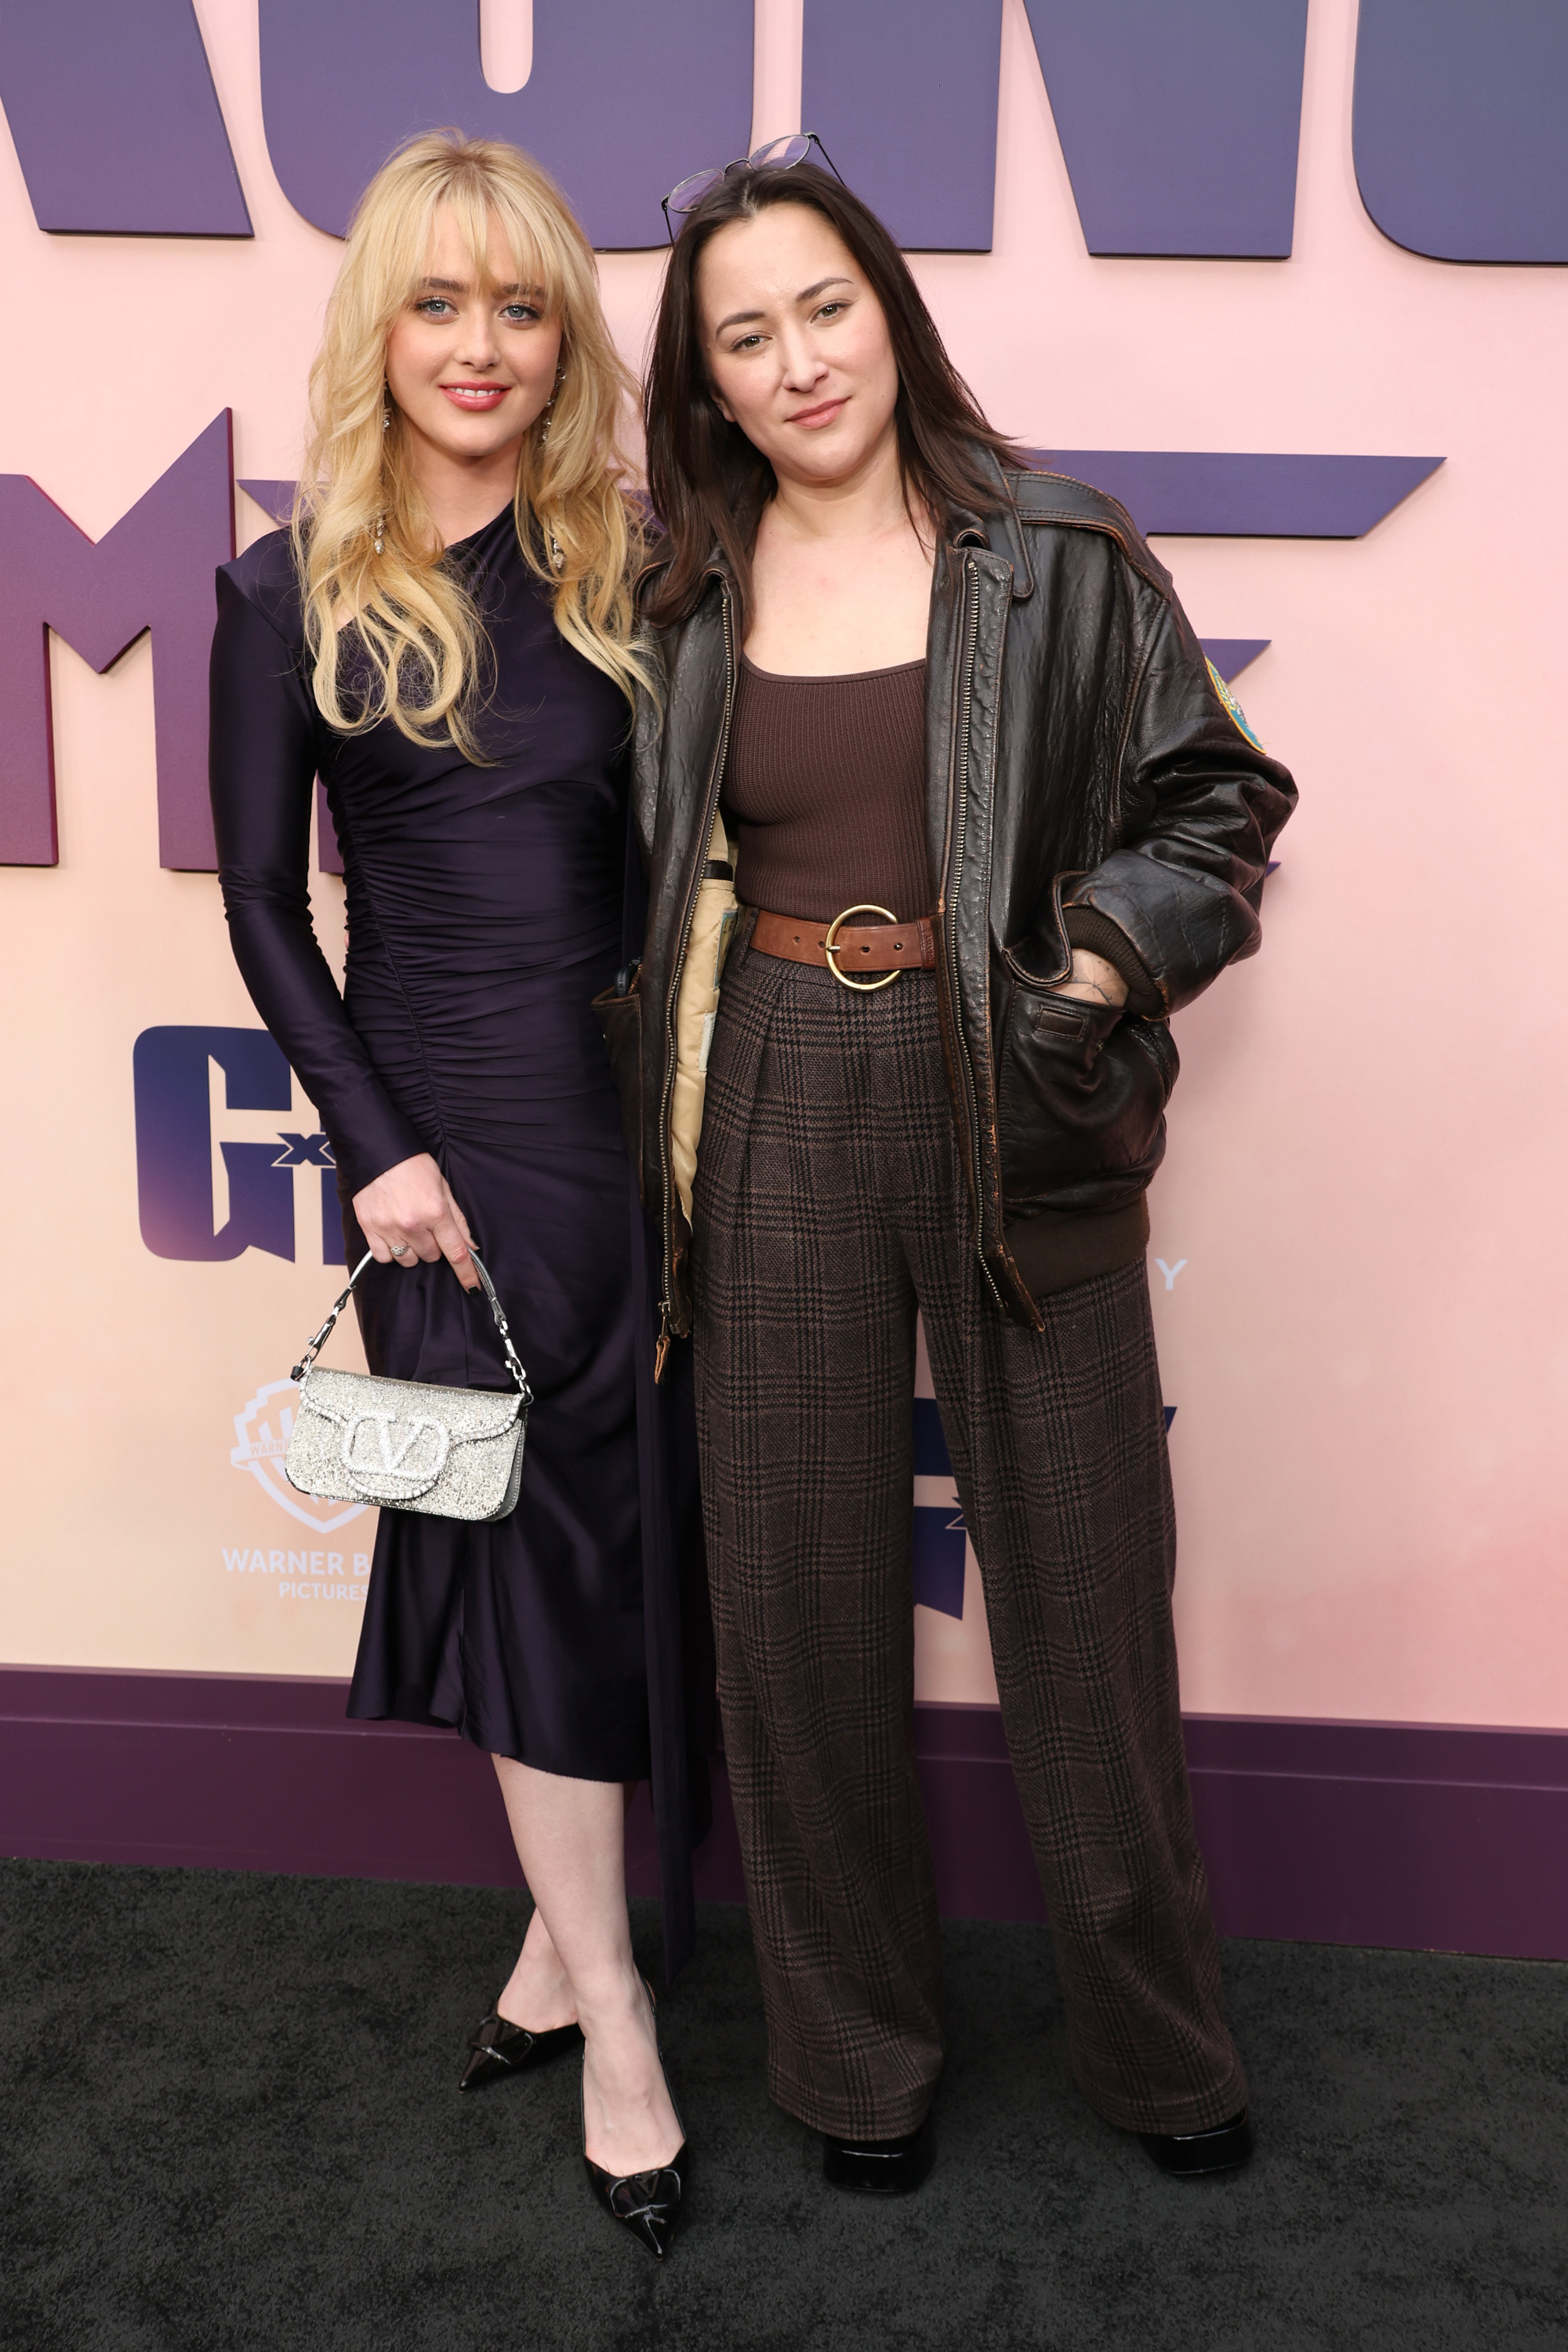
{"x": 648, "y": 2204}
{"x": 497, "y": 2047}
{"x": 1189, "y": 2156}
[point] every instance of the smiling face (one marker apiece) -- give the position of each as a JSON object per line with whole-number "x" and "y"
{"x": 797, "y": 344}
{"x": 470, "y": 366}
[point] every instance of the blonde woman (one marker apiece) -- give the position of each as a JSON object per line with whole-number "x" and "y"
{"x": 445, "y": 636}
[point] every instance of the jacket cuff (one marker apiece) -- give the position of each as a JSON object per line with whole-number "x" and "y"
{"x": 1055, "y": 1249}
{"x": 1096, "y": 933}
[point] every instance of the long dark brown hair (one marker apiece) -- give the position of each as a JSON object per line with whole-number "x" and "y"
{"x": 706, "y": 481}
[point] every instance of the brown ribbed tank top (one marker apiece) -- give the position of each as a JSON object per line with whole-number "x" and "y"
{"x": 825, "y": 790}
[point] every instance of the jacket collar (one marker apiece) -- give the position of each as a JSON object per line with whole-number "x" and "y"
{"x": 1002, "y": 532}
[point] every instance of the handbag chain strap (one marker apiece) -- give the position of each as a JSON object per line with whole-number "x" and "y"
{"x": 514, "y": 1363}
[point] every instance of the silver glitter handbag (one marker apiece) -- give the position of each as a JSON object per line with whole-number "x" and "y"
{"x": 408, "y": 1445}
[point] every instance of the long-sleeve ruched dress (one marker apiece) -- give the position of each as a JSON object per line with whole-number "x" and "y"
{"x": 485, "y": 909}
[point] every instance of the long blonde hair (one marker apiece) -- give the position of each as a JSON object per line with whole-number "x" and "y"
{"x": 409, "y": 614}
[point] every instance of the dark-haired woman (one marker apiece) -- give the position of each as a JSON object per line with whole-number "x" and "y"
{"x": 994, "y": 820}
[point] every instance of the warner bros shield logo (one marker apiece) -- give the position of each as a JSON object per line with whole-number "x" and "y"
{"x": 262, "y": 1432}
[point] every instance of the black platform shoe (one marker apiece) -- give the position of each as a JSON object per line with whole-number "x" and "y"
{"x": 1188, "y": 2154}
{"x": 880, "y": 2167}
{"x": 648, "y": 2204}
{"x": 499, "y": 2047}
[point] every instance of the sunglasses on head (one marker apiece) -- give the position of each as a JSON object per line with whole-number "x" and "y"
{"x": 777, "y": 155}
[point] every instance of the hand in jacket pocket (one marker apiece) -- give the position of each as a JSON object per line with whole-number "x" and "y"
{"x": 1082, "y": 1093}
{"x": 1094, "y": 979}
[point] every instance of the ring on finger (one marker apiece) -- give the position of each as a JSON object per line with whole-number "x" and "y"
{"x": 398, "y": 1249}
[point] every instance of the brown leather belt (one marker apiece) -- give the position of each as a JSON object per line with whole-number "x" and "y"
{"x": 849, "y": 948}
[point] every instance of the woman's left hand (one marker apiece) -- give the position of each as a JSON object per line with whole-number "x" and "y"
{"x": 407, "y": 1214}
{"x": 1094, "y": 979}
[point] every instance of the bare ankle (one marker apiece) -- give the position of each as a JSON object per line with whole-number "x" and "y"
{"x": 538, "y": 1993}
{"x": 614, "y": 1996}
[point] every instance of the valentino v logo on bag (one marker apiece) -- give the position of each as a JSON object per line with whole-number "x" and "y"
{"x": 456, "y": 1454}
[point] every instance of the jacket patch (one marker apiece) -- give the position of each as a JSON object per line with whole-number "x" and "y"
{"x": 1233, "y": 707}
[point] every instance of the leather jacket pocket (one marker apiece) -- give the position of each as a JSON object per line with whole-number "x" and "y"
{"x": 1081, "y": 1099}
{"x": 620, "y": 1017}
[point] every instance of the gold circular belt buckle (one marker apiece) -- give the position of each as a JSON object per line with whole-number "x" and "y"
{"x": 861, "y": 987}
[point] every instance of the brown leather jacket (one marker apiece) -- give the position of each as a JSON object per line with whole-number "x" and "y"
{"x": 1089, "y": 782}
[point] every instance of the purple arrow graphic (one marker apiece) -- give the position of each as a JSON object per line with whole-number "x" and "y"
{"x": 1214, "y": 494}
{"x": 274, "y": 498}
{"x": 1191, "y": 494}
{"x": 1230, "y": 655}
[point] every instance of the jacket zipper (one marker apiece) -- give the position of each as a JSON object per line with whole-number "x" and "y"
{"x": 705, "y": 833}
{"x": 959, "y": 817}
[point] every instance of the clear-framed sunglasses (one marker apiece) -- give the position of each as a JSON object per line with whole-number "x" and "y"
{"x": 778, "y": 154}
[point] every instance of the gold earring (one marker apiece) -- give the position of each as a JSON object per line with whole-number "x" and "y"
{"x": 545, "y": 413}
{"x": 558, "y": 561}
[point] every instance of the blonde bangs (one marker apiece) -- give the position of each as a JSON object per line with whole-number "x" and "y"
{"x": 410, "y": 618}
{"x": 473, "y": 205}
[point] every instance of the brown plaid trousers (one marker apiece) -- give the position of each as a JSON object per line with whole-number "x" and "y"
{"x": 829, "y": 1204}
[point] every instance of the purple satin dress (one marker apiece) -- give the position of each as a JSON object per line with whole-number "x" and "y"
{"x": 484, "y": 911}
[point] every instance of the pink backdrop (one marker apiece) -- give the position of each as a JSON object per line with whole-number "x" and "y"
{"x": 1366, "y": 1341}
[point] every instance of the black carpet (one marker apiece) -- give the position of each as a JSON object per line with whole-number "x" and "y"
{"x": 230, "y": 2119}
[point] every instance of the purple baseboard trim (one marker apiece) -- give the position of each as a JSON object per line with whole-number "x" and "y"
{"x": 1426, "y": 1836}
{"x": 240, "y": 1773}
{"x": 1421, "y": 1836}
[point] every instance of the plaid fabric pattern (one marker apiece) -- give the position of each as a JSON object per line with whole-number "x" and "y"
{"x": 829, "y": 1204}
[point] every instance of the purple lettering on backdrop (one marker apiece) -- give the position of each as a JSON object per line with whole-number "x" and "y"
{"x": 1205, "y": 494}
{"x": 1461, "y": 126}
{"x": 1179, "y": 119}
{"x": 902, "y": 94}
{"x": 174, "y": 1144}
{"x": 116, "y": 122}
{"x": 626, "y": 97}
{"x": 153, "y": 571}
